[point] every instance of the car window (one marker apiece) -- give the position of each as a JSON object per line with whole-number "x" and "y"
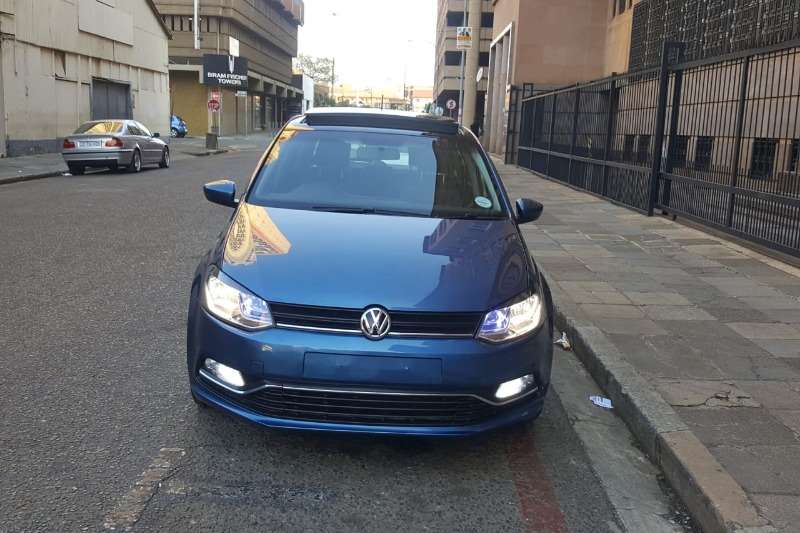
{"x": 109, "y": 126}
{"x": 144, "y": 129}
{"x": 443, "y": 176}
{"x": 133, "y": 129}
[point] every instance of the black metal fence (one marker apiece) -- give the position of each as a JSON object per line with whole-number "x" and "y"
{"x": 713, "y": 140}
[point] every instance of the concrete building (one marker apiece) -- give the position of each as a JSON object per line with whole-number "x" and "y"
{"x": 447, "y": 76}
{"x": 551, "y": 44}
{"x": 419, "y": 97}
{"x": 265, "y": 33}
{"x": 68, "y": 61}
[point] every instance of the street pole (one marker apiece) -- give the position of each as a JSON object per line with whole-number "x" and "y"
{"x": 333, "y": 80}
{"x": 196, "y": 24}
{"x": 471, "y": 70}
{"x": 463, "y": 67}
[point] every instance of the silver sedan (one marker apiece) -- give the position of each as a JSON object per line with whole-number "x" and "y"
{"x": 114, "y": 144}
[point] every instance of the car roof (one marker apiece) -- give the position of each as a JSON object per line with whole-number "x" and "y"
{"x": 378, "y": 118}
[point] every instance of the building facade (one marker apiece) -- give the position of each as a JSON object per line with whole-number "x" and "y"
{"x": 447, "y": 76}
{"x": 265, "y": 33}
{"x": 65, "y": 62}
{"x": 551, "y": 44}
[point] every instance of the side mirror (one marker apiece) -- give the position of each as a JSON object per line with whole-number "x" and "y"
{"x": 156, "y": 135}
{"x": 222, "y": 192}
{"x": 528, "y": 210}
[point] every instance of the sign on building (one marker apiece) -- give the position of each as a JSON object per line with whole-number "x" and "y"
{"x": 463, "y": 37}
{"x": 225, "y": 71}
{"x": 233, "y": 47}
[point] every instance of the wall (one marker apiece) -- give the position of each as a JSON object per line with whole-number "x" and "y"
{"x": 559, "y": 43}
{"x": 49, "y": 65}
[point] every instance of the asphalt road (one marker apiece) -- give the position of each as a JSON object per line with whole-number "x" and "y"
{"x": 98, "y": 430}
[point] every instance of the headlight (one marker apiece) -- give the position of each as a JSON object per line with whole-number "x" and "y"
{"x": 513, "y": 321}
{"x": 226, "y": 300}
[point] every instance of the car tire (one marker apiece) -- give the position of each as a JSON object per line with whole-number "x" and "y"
{"x": 181, "y": 135}
{"x": 76, "y": 170}
{"x": 136, "y": 162}
{"x": 164, "y": 163}
{"x": 173, "y": 132}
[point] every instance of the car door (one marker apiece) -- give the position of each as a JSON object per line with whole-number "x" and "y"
{"x": 150, "y": 145}
{"x": 134, "y": 137}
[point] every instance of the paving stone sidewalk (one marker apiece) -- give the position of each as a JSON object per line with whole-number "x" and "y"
{"x": 713, "y": 326}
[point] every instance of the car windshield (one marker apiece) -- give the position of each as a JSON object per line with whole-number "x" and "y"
{"x": 360, "y": 171}
{"x": 108, "y": 126}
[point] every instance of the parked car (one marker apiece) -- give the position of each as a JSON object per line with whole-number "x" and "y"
{"x": 178, "y": 127}
{"x": 114, "y": 144}
{"x": 373, "y": 279}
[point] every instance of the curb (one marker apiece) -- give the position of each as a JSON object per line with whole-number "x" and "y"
{"x": 715, "y": 500}
{"x": 31, "y": 177}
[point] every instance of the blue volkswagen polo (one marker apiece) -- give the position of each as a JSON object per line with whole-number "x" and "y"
{"x": 372, "y": 279}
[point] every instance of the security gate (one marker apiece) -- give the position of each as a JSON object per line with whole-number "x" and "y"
{"x": 110, "y": 100}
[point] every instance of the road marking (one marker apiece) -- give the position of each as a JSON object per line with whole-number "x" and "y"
{"x": 537, "y": 499}
{"x": 131, "y": 506}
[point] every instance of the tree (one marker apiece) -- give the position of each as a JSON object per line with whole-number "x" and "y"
{"x": 320, "y": 69}
{"x": 323, "y": 100}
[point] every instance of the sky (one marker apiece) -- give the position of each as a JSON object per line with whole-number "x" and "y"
{"x": 370, "y": 39}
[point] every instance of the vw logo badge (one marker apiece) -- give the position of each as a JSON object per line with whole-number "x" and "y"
{"x": 375, "y": 323}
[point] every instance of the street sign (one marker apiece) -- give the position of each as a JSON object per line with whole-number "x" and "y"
{"x": 233, "y": 47}
{"x": 463, "y": 37}
{"x": 213, "y": 105}
{"x": 479, "y": 77}
{"x": 227, "y": 71}
{"x": 451, "y": 104}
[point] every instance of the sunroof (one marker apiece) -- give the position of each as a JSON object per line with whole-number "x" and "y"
{"x": 382, "y": 120}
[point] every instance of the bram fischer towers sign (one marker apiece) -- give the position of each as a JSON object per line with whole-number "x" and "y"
{"x": 225, "y": 71}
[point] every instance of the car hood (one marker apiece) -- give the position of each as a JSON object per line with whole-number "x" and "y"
{"x": 356, "y": 260}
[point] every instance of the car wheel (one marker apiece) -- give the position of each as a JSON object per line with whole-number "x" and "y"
{"x": 173, "y": 132}
{"x": 76, "y": 170}
{"x": 136, "y": 162}
{"x": 164, "y": 163}
{"x": 182, "y": 134}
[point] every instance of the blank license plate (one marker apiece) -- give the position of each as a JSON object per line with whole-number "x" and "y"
{"x": 89, "y": 144}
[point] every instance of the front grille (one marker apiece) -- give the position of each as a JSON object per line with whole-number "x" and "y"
{"x": 373, "y": 408}
{"x": 403, "y": 323}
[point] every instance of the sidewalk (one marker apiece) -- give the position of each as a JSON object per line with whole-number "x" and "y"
{"x": 697, "y": 341}
{"x": 13, "y": 169}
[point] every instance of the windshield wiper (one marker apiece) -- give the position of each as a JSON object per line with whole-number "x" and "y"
{"x": 364, "y": 211}
{"x": 473, "y": 216}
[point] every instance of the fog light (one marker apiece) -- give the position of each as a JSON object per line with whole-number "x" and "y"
{"x": 224, "y": 373}
{"x": 514, "y": 387}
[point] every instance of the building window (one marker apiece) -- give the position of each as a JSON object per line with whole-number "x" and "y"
{"x": 59, "y": 64}
{"x": 702, "y": 153}
{"x": 622, "y": 5}
{"x": 452, "y": 59}
{"x": 455, "y": 18}
{"x": 483, "y": 59}
{"x": 680, "y": 151}
{"x": 627, "y": 147}
{"x": 643, "y": 149}
{"x": 487, "y": 20}
{"x": 763, "y": 161}
{"x": 794, "y": 156}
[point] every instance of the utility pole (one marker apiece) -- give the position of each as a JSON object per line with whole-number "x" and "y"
{"x": 473, "y": 56}
{"x": 333, "y": 80}
{"x": 463, "y": 66}
{"x": 196, "y": 24}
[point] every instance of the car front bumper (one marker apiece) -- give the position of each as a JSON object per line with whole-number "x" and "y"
{"x": 347, "y": 383}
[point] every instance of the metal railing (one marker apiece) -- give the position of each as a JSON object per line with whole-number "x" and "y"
{"x": 713, "y": 140}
